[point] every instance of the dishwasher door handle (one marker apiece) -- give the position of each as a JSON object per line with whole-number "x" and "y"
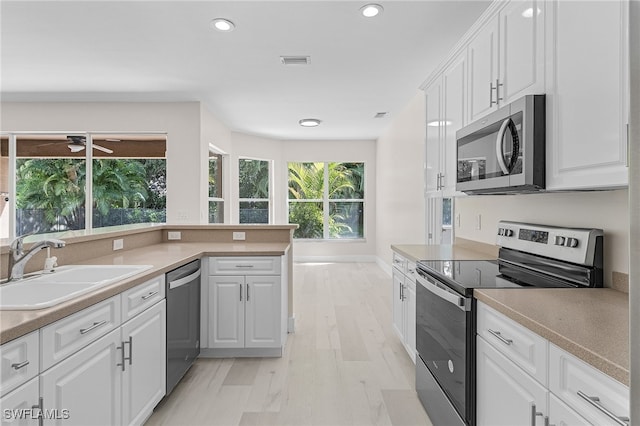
{"x": 183, "y": 281}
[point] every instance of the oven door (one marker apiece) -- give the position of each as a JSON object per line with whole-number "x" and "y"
{"x": 445, "y": 341}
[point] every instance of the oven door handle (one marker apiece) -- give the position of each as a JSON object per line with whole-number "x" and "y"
{"x": 458, "y": 301}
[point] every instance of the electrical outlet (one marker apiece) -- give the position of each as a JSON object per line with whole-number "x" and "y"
{"x": 174, "y": 235}
{"x": 478, "y": 221}
{"x": 238, "y": 236}
{"x": 118, "y": 244}
{"x": 182, "y": 215}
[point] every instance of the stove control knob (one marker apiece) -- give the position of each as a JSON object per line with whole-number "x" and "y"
{"x": 572, "y": 242}
{"x": 508, "y": 233}
{"x": 559, "y": 241}
{"x": 500, "y": 231}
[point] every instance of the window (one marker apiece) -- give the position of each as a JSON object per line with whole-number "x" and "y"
{"x": 326, "y": 200}
{"x": 51, "y": 181}
{"x": 216, "y": 200}
{"x": 253, "y": 185}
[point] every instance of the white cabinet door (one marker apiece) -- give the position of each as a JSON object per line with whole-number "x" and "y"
{"x": 262, "y": 312}
{"x": 397, "y": 302}
{"x": 19, "y": 361}
{"x": 561, "y": 415}
{"x": 453, "y": 118}
{"x": 16, "y": 405}
{"x": 410, "y": 318}
{"x": 87, "y": 384}
{"x": 505, "y": 394}
{"x": 433, "y": 95}
{"x": 521, "y": 49}
{"x": 588, "y": 103}
{"x": 482, "y": 54}
{"x": 226, "y": 311}
{"x": 144, "y": 376}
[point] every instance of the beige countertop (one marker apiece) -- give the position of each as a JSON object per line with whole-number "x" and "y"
{"x": 592, "y": 324}
{"x": 163, "y": 258}
{"x": 416, "y": 252}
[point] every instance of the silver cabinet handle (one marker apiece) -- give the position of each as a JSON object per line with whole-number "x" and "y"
{"x": 247, "y": 292}
{"x": 491, "y": 94}
{"x": 595, "y": 402}
{"x": 534, "y": 413}
{"x": 244, "y": 266}
{"x": 124, "y": 357}
{"x": 150, "y": 295}
{"x": 93, "y": 327}
{"x": 40, "y": 407}
{"x": 498, "y": 335}
{"x": 498, "y": 85}
{"x": 401, "y": 296}
{"x": 19, "y": 365}
{"x": 240, "y": 292}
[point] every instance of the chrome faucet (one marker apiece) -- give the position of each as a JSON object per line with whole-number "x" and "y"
{"x": 18, "y": 258}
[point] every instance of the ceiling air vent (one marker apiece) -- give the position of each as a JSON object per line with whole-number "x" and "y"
{"x": 295, "y": 60}
{"x": 380, "y": 115}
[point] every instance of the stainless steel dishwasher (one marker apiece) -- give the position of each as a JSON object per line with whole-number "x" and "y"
{"x": 183, "y": 321}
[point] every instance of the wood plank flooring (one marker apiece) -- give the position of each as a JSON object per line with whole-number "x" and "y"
{"x": 344, "y": 365}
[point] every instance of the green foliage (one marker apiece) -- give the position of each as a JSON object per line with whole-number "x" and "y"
{"x": 253, "y": 178}
{"x": 306, "y": 182}
{"x": 56, "y": 188}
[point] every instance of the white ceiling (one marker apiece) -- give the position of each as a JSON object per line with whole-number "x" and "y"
{"x": 166, "y": 51}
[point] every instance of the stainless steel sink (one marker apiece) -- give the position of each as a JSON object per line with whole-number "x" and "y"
{"x": 64, "y": 284}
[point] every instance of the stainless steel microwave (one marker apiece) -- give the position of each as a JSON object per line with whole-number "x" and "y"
{"x": 504, "y": 152}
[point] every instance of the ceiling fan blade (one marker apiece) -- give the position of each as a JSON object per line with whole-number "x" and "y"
{"x": 76, "y": 147}
{"x": 103, "y": 149}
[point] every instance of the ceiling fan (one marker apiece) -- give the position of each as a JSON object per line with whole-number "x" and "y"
{"x": 78, "y": 143}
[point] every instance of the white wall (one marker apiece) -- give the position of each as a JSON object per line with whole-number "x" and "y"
{"x": 342, "y": 151}
{"x": 180, "y": 121}
{"x": 213, "y": 132}
{"x": 597, "y": 209}
{"x": 400, "y": 215}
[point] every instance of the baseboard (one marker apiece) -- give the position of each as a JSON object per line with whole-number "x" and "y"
{"x": 384, "y": 266}
{"x": 334, "y": 259}
{"x": 240, "y": 352}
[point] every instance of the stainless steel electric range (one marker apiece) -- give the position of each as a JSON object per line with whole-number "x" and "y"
{"x": 530, "y": 256}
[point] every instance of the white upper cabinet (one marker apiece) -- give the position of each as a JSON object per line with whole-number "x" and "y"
{"x": 588, "y": 95}
{"x": 483, "y": 70}
{"x": 506, "y": 57}
{"x": 453, "y": 83}
{"x": 433, "y": 94}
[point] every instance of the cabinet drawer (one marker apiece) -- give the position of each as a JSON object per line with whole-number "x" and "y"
{"x": 578, "y": 384}
{"x": 141, "y": 297}
{"x": 20, "y": 361}
{"x": 410, "y": 271}
{"x": 399, "y": 262}
{"x": 522, "y": 346}
{"x": 259, "y": 265}
{"x": 70, "y": 334}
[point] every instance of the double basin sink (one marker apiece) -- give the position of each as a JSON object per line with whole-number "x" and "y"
{"x": 65, "y": 283}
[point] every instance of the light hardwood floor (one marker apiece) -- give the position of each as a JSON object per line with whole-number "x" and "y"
{"x": 344, "y": 365}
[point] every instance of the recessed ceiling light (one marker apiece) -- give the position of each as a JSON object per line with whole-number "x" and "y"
{"x": 222, "y": 24}
{"x": 371, "y": 10}
{"x": 309, "y": 122}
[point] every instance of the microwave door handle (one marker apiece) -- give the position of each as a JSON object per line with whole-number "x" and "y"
{"x": 499, "y": 146}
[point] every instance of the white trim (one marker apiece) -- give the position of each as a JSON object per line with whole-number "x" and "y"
{"x": 384, "y": 266}
{"x": 291, "y": 324}
{"x": 335, "y": 259}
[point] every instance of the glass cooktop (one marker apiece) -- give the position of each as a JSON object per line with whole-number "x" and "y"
{"x": 465, "y": 275}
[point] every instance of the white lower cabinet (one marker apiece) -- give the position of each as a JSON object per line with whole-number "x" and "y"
{"x": 523, "y": 379}
{"x": 246, "y": 312}
{"x": 144, "y": 373}
{"x": 18, "y": 405}
{"x": 404, "y": 302}
{"x": 505, "y": 394}
{"x": 87, "y": 385}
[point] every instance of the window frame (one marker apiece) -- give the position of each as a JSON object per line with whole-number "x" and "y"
{"x": 326, "y": 202}
{"x": 270, "y": 187}
{"x": 221, "y": 157}
{"x": 13, "y": 136}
